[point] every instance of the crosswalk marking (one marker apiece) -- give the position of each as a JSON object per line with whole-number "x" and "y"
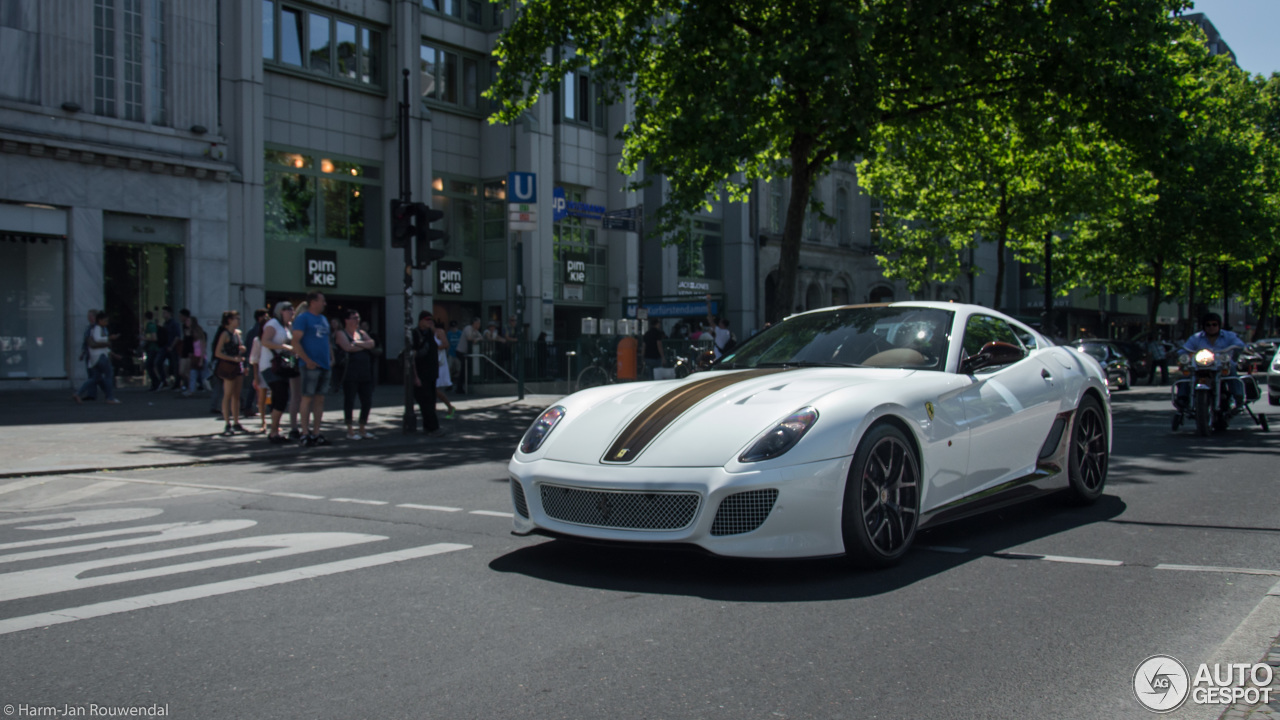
{"x": 438, "y": 508}
{"x": 151, "y": 534}
{"x": 72, "y": 496}
{"x": 62, "y": 578}
{"x": 22, "y": 485}
{"x": 84, "y": 612}
{"x": 80, "y": 518}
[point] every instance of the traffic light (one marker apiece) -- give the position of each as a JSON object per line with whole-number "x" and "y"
{"x": 424, "y": 235}
{"x": 401, "y": 223}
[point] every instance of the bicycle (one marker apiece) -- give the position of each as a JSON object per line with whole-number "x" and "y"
{"x": 600, "y": 371}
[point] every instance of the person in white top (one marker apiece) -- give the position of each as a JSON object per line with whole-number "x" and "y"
{"x": 101, "y": 372}
{"x": 275, "y": 339}
{"x": 719, "y": 331}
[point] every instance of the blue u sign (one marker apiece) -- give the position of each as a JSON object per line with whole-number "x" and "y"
{"x": 522, "y": 187}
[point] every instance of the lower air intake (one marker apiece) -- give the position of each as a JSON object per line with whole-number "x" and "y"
{"x": 743, "y": 512}
{"x": 620, "y": 510}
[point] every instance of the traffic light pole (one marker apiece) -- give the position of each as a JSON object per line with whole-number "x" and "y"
{"x": 406, "y": 195}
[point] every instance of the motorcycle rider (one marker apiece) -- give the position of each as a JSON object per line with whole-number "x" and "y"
{"x": 1213, "y": 337}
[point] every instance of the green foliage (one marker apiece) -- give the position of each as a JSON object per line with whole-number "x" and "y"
{"x": 728, "y": 93}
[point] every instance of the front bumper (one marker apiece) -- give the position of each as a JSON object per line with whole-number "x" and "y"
{"x": 804, "y": 520}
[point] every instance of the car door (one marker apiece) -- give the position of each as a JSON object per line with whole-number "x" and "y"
{"x": 1009, "y": 409}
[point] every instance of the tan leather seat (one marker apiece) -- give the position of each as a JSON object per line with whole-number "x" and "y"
{"x": 897, "y": 357}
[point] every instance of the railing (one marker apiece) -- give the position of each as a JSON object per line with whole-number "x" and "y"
{"x": 564, "y": 360}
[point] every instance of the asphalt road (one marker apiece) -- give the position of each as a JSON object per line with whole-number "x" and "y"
{"x": 389, "y": 586}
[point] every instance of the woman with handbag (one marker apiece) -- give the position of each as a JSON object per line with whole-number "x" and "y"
{"x": 228, "y": 353}
{"x": 276, "y": 366}
{"x": 357, "y": 380}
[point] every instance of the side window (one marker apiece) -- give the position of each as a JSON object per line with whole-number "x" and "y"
{"x": 1028, "y": 340}
{"x": 983, "y": 329}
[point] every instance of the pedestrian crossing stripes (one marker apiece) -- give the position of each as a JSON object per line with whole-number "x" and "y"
{"x": 183, "y": 560}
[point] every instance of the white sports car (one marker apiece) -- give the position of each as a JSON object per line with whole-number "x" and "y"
{"x": 838, "y": 431}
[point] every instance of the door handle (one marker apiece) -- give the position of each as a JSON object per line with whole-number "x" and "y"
{"x": 1044, "y": 373}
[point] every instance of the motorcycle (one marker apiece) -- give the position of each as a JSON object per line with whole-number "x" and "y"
{"x": 1204, "y": 392}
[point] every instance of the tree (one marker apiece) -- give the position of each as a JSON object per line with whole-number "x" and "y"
{"x": 726, "y": 94}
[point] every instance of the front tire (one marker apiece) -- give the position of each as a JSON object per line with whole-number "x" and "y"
{"x": 1204, "y": 408}
{"x": 592, "y": 376}
{"x": 1089, "y": 454}
{"x": 881, "y": 499}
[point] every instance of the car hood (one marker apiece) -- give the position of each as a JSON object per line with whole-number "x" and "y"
{"x": 705, "y": 420}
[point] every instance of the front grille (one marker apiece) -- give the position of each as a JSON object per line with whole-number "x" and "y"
{"x": 743, "y": 512}
{"x": 517, "y": 497}
{"x": 621, "y": 510}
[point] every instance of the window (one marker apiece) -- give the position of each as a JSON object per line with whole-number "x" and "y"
{"x": 775, "y": 205}
{"x": 982, "y": 329}
{"x": 495, "y": 230}
{"x": 449, "y": 77}
{"x": 129, "y": 60}
{"x": 328, "y": 201}
{"x": 844, "y": 232}
{"x": 582, "y": 103}
{"x": 335, "y": 46}
{"x": 698, "y": 255}
{"x": 469, "y": 12}
{"x": 575, "y": 240}
{"x": 459, "y": 200}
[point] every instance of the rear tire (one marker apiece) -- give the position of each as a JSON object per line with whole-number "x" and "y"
{"x": 1203, "y": 403}
{"x": 881, "y": 499}
{"x": 1089, "y": 455}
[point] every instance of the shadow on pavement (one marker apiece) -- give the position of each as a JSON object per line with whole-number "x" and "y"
{"x": 657, "y": 570}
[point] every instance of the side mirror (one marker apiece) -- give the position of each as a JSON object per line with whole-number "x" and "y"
{"x": 992, "y": 354}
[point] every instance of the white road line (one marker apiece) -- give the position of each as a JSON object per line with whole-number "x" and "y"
{"x": 150, "y": 534}
{"x": 71, "y": 496}
{"x": 945, "y": 549}
{"x": 358, "y": 501}
{"x": 1058, "y": 559}
{"x": 1218, "y": 569}
{"x": 84, "y": 612}
{"x": 299, "y": 496}
{"x": 81, "y": 518}
{"x": 22, "y": 484}
{"x": 490, "y": 513}
{"x": 437, "y": 508}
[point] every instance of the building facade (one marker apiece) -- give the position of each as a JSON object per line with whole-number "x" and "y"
{"x": 228, "y": 155}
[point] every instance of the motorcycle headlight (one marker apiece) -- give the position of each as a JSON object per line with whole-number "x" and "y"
{"x": 783, "y": 437}
{"x": 1204, "y": 357}
{"x": 1184, "y": 359}
{"x": 541, "y": 428}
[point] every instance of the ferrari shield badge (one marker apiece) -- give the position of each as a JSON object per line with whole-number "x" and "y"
{"x": 928, "y": 407}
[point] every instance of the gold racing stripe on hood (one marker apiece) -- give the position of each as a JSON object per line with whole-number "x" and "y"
{"x": 662, "y": 412}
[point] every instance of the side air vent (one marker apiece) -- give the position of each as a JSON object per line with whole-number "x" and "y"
{"x": 517, "y": 497}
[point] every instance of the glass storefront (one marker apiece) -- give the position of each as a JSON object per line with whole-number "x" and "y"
{"x": 32, "y": 307}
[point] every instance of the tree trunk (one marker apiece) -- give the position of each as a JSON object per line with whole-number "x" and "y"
{"x": 1046, "y": 325}
{"x": 1268, "y": 289}
{"x": 789, "y": 259}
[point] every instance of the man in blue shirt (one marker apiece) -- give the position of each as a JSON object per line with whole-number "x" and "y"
{"x": 1213, "y": 337}
{"x": 311, "y": 344}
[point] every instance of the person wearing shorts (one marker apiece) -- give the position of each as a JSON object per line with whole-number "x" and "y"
{"x": 275, "y": 339}
{"x": 311, "y": 344}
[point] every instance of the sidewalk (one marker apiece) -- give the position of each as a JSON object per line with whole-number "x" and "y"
{"x": 44, "y": 432}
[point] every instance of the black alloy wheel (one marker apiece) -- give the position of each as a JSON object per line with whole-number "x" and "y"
{"x": 1089, "y": 452}
{"x": 881, "y": 499}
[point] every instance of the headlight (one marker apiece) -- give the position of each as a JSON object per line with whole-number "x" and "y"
{"x": 783, "y": 437}
{"x": 541, "y": 428}
{"x": 1184, "y": 359}
{"x": 1204, "y": 357}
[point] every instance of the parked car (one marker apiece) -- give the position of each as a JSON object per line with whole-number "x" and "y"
{"x": 1257, "y": 353}
{"x": 1139, "y": 359}
{"x": 1115, "y": 364}
{"x": 1273, "y": 379}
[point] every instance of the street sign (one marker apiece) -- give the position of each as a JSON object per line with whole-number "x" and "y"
{"x": 522, "y": 187}
{"x": 618, "y": 223}
{"x": 631, "y": 212}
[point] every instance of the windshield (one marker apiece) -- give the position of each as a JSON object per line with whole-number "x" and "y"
{"x": 884, "y": 337}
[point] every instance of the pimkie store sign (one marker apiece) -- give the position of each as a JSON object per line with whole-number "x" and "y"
{"x": 448, "y": 277}
{"x": 322, "y": 268}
